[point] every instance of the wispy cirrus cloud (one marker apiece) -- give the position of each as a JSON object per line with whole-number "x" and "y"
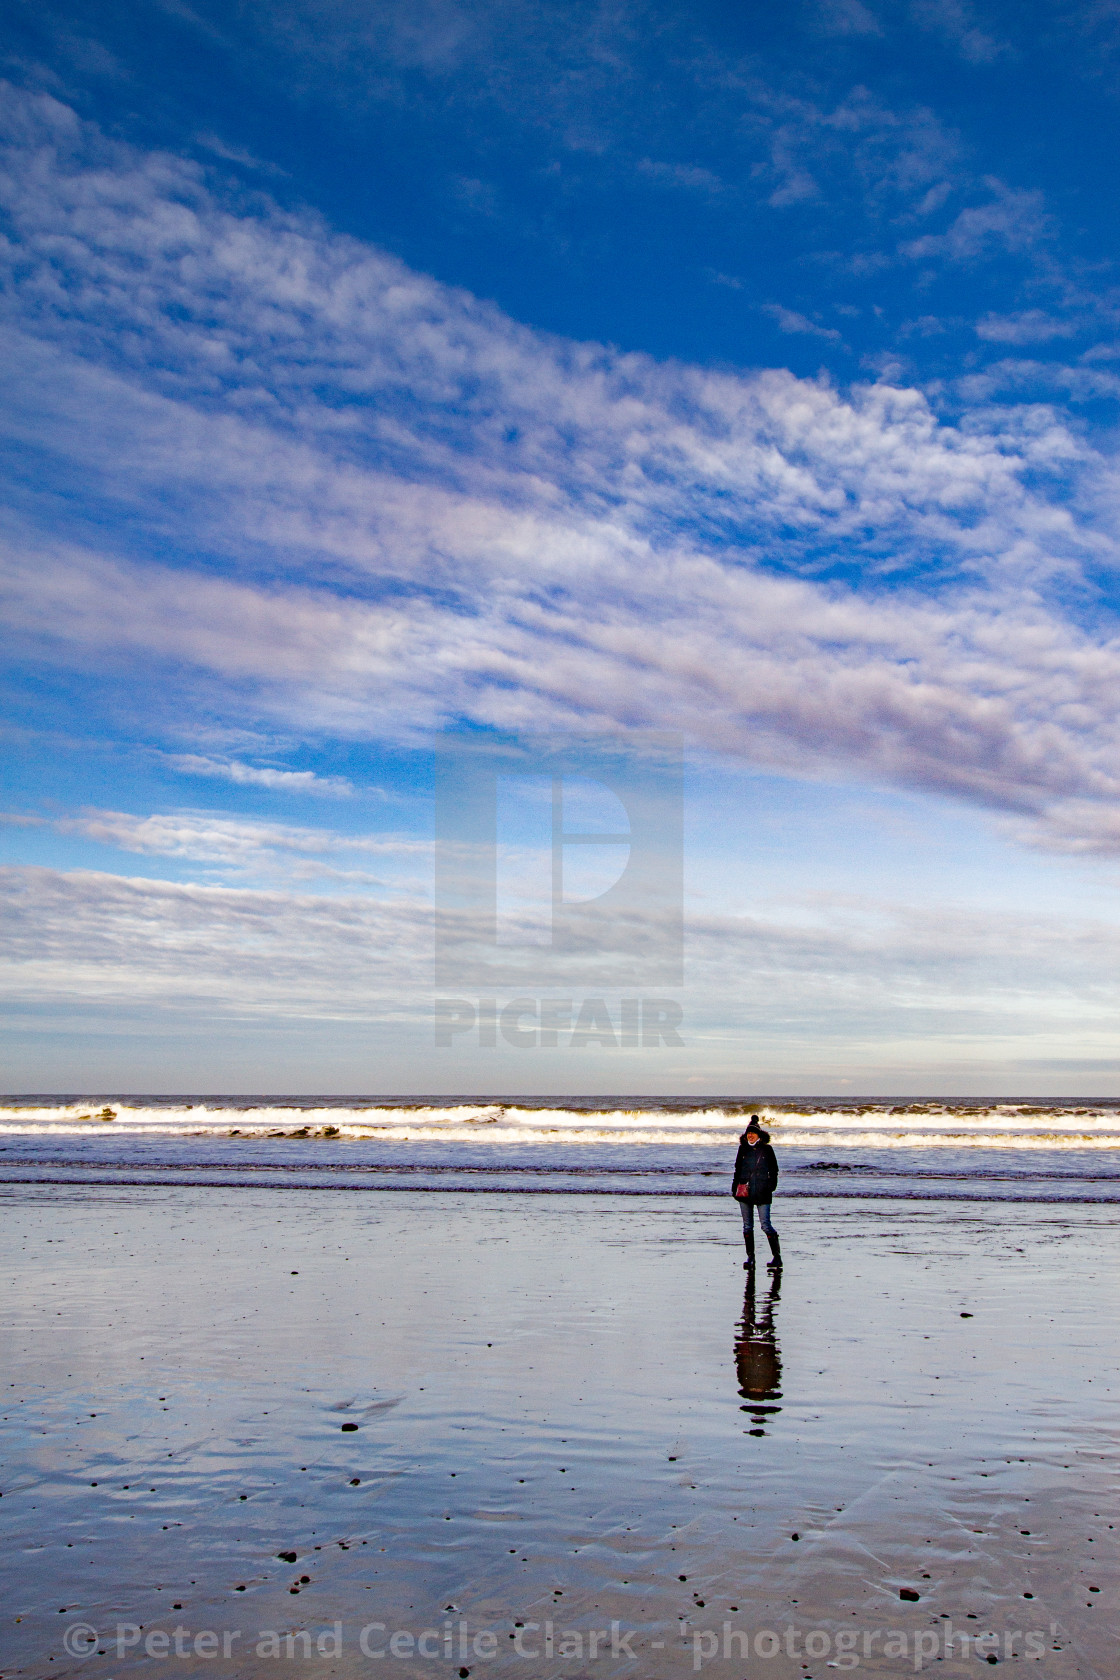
{"x": 1018, "y": 377}
{"x": 789, "y": 321}
{"x": 220, "y": 148}
{"x": 263, "y": 776}
{"x": 889, "y": 982}
{"x": 240, "y": 845}
{"x": 87, "y": 937}
{"x": 688, "y": 177}
{"x": 249, "y": 320}
{"x": 847, "y": 17}
{"x": 1012, "y": 219}
{"x": 958, "y": 24}
{"x": 1026, "y": 326}
{"x": 405, "y": 508}
{"x": 887, "y": 162}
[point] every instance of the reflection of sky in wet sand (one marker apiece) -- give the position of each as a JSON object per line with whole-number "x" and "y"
{"x": 549, "y": 1426}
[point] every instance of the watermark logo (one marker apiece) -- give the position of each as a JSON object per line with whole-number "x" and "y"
{"x": 531, "y": 1642}
{"x": 545, "y": 1023}
{"x": 559, "y": 862}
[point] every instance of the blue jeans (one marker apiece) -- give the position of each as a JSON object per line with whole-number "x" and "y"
{"x": 747, "y": 1210}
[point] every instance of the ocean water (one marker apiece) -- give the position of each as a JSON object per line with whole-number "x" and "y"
{"x": 1015, "y": 1150}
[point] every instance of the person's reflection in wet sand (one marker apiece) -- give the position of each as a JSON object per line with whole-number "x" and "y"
{"x": 758, "y": 1359}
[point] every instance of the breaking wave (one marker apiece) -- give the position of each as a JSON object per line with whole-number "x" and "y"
{"x": 638, "y": 1124}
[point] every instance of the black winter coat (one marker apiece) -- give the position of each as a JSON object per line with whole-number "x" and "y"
{"x": 756, "y": 1166}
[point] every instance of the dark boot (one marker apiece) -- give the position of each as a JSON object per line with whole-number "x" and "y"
{"x": 775, "y": 1262}
{"x": 748, "y": 1242}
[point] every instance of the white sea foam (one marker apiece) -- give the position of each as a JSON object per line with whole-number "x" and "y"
{"x": 998, "y": 1125}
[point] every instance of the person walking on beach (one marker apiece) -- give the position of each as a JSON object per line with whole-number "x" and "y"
{"x": 753, "y": 1184}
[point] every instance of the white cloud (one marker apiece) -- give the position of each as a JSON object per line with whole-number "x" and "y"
{"x": 1018, "y": 376}
{"x": 1028, "y": 326}
{"x": 789, "y": 321}
{"x": 414, "y": 509}
{"x": 1012, "y": 220}
{"x": 903, "y": 163}
{"x": 236, "y": 154}
{"x": 970, "y": 697}
{"x": 956, "y": 23}
{"x": 88, "y": 937}
{"x": 688, "y": 176}
{"x": 242, "y": 847}
{"x": 476, "y": 195}
{"x": 252, "y": 775}
{"x": 869, "y": 974}
{"x": 847, "y": 17}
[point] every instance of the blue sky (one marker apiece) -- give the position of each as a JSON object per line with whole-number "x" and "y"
{"x": 747, "y": 372}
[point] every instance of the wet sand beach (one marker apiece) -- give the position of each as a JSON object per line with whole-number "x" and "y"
{"x": 418, "y": 1434}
